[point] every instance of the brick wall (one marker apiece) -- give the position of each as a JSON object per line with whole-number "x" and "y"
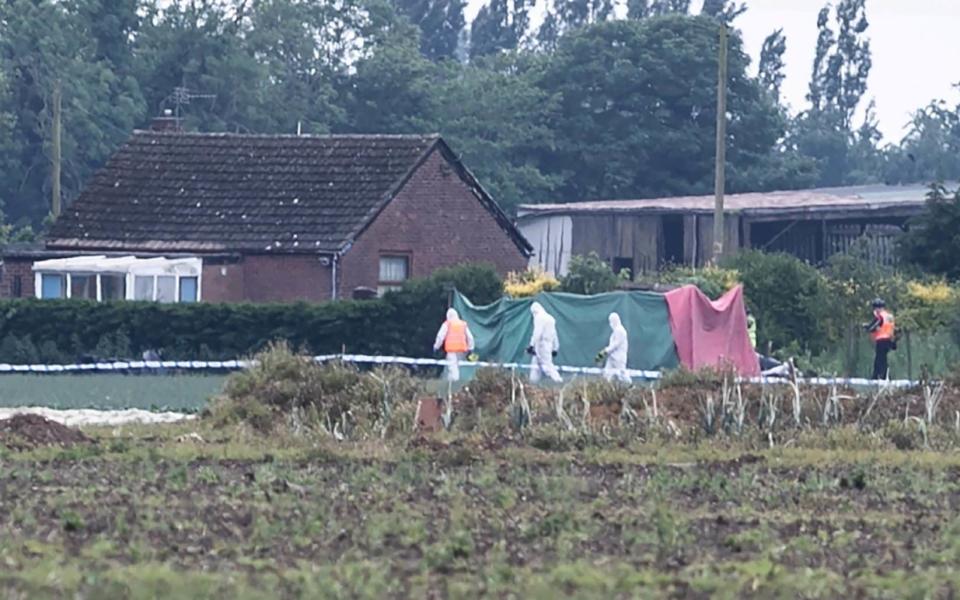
{"x": 12, "y": 269}
{"x": 286, "y": 278}
{"x": 266, "y": 278}
{"x": 253, "y": 278}
{"x": 436, "y": 221}
{"x": 222, "y": 281}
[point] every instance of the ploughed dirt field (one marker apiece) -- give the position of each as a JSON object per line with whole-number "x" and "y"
{"x": 182, "y": 511}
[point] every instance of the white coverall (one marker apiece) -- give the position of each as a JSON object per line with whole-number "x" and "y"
{"x": 453, "y": 358}
{"x": 616, "y": 351}
{"x": 544, "y": 342}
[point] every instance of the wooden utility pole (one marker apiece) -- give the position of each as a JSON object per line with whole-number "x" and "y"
{"x": 720, "y": 180}
{"x": 55, "y": 176}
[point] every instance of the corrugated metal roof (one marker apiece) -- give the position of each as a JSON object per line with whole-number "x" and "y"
{"x": 858, "y": 198}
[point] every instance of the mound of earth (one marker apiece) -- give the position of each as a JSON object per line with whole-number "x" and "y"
{"x": 25, "y": 431}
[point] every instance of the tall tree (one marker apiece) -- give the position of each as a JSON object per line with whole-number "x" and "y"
{"x": 202, "y": 46}
{"x": 842, "y": 62}
{"x": 838, "y": 83}
{"x": 643, "y": 9}
{"x": 770, "y": 71}
{"x": 930, "y": 151}
{"x": 114, "y": 25}
{"x": 638, "y": 109}
{"x": 440, "y": 22}
{"x": 392, "y": 89}
{"x": 499, "y": 25}
{"x": 9, "y": 145}
{"x": 724, "y": 10}
{"x": 932, "y": 242}
{"x": 43, "y": 42}
{"x": 563, "y": 16}
{"x": 493, "y": 112}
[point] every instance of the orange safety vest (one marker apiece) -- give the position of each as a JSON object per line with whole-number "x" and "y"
{"x": 887, "y": 327}
{"x": 456, "y": 340}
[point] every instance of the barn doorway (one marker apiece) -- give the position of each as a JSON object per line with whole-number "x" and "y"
{"x": 672, "y": 236}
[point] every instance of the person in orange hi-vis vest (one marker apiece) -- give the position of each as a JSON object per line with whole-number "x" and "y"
{"x": 456, "y": 340}
{"x": 883, "y": 332}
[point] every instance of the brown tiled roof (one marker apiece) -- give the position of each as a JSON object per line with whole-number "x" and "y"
{"x": 174, "y": 191}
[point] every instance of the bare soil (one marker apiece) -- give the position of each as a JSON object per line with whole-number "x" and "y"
{"x": 24, "y": 432}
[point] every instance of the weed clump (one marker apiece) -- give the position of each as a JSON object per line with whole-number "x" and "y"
{"x": 490, "y": 389}
{"x": 706, "y": 378}
{"x": 284, "y": 389}
{"x": 603, "y": 401}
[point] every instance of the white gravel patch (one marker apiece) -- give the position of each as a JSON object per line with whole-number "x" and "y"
{"x": 82, "y": 417}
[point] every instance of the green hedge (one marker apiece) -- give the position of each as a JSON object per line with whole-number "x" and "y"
{"x": 402, "y": 323}
{"x": 789, "y": 298}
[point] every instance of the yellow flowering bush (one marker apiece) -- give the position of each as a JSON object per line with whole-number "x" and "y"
{"x": 712, "y": 280}
{"x": 727, "y": 279}
{"x": 928, "y": 306}
{"x": 937, "y": 292}
{"x": 528, "y": 283}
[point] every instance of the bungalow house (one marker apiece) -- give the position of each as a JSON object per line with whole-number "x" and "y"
{"x": 647, "y": 235}
{"x": 184, "y": 217}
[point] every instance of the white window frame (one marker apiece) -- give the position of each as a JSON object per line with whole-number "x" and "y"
{"x": 38, "y": 285}
{"x": 384, "y": 286}
{"x": 129, "y": 267}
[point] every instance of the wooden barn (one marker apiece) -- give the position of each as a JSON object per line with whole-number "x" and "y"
{"x": 648, "y": 235}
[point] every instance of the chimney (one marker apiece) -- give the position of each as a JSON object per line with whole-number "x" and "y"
{"x": 167, "y": 122}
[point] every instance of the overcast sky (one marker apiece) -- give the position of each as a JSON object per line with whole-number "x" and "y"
{"x": 916, "y": 51}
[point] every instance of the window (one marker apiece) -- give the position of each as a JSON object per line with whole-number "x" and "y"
{"x": 53, "y": 286}
{"x": 188, "y": 289}
{"x": 143, "y": 287}
{"x": 83, "y": 287}
{"x": 113, "y": 287}
{"x": 17, "y": 290}
{"x": 121, "y": 278}
{"x": 166, "y": 288}
{"x": 623, "y": 262}
{"x": 394, "y": 270}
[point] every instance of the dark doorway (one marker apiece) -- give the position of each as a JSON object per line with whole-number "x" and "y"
{"x": 623, "y": 262}
{"x": 672, "y": 240}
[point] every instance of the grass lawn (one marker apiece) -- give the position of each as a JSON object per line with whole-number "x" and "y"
{"x": 147, "y": 513}
{"x": 109, "y": 391}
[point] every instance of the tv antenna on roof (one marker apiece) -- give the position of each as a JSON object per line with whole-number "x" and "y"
{"x": 182, "y": 96}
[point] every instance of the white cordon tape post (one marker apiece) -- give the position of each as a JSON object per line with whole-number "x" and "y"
{"x": 233, "y": 365}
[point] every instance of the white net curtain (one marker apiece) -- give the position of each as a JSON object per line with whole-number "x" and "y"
{"x": 103, "y": 278}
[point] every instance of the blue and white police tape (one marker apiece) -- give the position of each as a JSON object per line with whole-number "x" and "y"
{"x": 233, "y": 365}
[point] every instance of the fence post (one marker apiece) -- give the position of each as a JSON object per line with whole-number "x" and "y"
{"x": 848, "y": 365}
{"x": 909, "y": 356}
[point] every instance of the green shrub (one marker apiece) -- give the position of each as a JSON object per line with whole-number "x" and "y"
{"x": 590, "y": 275}
{"x": 932, "y": 243}
{"x": 789, "y": 298}
{"x": 402, "y": 323}
{"x": 681, "y": 377}
{"x": 712, "y": 281}
{"x": 283, "y": 385}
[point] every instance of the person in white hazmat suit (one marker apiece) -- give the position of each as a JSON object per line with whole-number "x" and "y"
{"x": 456, "y": 340}
{"x": 544, "y": 345}
{"x": 615, "y": 354}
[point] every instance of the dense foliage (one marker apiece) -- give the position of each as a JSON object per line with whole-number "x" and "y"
{"x": 401, "y": 323}
{"x": 532, "y": 281}
{"x": 933, "y": 241}
{"x": 590, "y": 275}
{"x": 818, "y": 314}
{"x": 589, "y": 103}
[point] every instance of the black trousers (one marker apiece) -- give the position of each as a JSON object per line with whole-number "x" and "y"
{"x": 880, "y": 367}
